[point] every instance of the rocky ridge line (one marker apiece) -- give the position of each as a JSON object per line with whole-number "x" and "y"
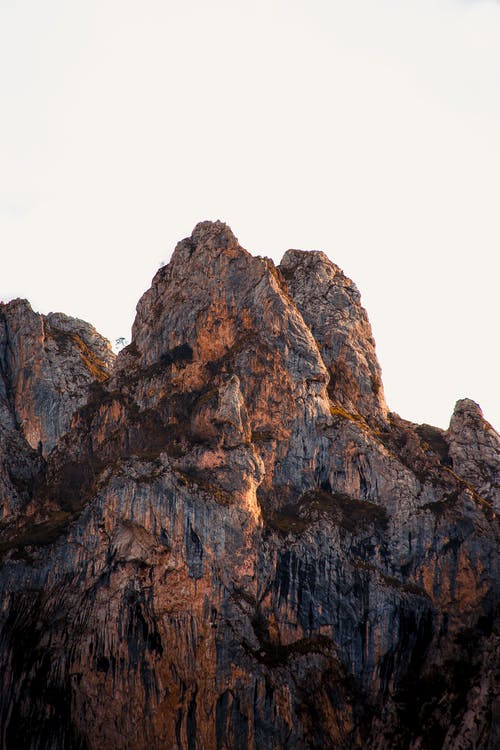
{"x": 232, "y": 542}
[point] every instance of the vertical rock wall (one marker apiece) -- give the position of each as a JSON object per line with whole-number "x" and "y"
{"x": 232, "y": 543}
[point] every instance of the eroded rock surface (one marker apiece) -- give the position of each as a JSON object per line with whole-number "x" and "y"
{"x": 47, "y": 363}
{"x": 233, "y": 543}
{"x": 330, "y": 305}
{"x": 474, "y": 450}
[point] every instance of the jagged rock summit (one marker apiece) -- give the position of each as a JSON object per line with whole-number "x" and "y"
{"x": 223, "y": 539}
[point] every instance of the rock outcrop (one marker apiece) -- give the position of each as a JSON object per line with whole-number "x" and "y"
{"x": 229, "y": 541}
{"x": 474, "y": 450}
{"x": 330, "y": 305}
{"x": 47, "y": 363}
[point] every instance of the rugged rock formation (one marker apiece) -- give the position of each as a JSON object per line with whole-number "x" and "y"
{"x": 231, "y": 543}
{"x": 330, "y": 305}
{"x": 47, "y": 363}
{"x": 474, "y": 450}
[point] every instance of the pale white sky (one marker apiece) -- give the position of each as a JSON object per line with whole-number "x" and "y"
{"x": 365, "y": 128}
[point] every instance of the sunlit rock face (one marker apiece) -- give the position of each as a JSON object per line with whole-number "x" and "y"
{"x": 229, "y": 541}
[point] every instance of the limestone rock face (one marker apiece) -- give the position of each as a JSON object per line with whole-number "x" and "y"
{"x": 330, "y": 305}
{"x": 474, "y": 449}
{"x": 233, "y": 543}
{"x": 216, "y": 312}
{"x": 46, "y": 364}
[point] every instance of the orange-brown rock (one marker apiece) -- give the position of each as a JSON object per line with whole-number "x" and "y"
{"x": 232, "y": 543}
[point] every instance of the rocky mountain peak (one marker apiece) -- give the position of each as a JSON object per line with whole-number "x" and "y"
{"x": 229, "y": 542}
{"x": 213, "y": 293}
{"x": 474, "y": 449}
{"x": 467, "y": 410}
{"x": 47, "y": 363}
{"x": 215, "y": 234}
{"x": 216, "y": 311}
{"x": 302, "y": 261}
{"x": 330, "y": 305}
{"x": 208, "y": 240}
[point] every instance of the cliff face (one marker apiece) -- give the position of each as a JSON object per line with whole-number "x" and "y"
{"x": 47, "y": 363}
{"x": 228, "y": 540}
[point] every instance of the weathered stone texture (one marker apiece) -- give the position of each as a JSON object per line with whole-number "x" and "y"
{"x": 330, "y": 305}
{"x": 233, "y": 543}
{"x": 474, "y": 449}
{"x": 47, "y": 363}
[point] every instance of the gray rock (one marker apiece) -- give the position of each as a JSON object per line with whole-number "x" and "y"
{"x": 232, "y": 543}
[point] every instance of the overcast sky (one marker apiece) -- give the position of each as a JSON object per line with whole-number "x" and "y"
{"x": 365, "y": 128}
